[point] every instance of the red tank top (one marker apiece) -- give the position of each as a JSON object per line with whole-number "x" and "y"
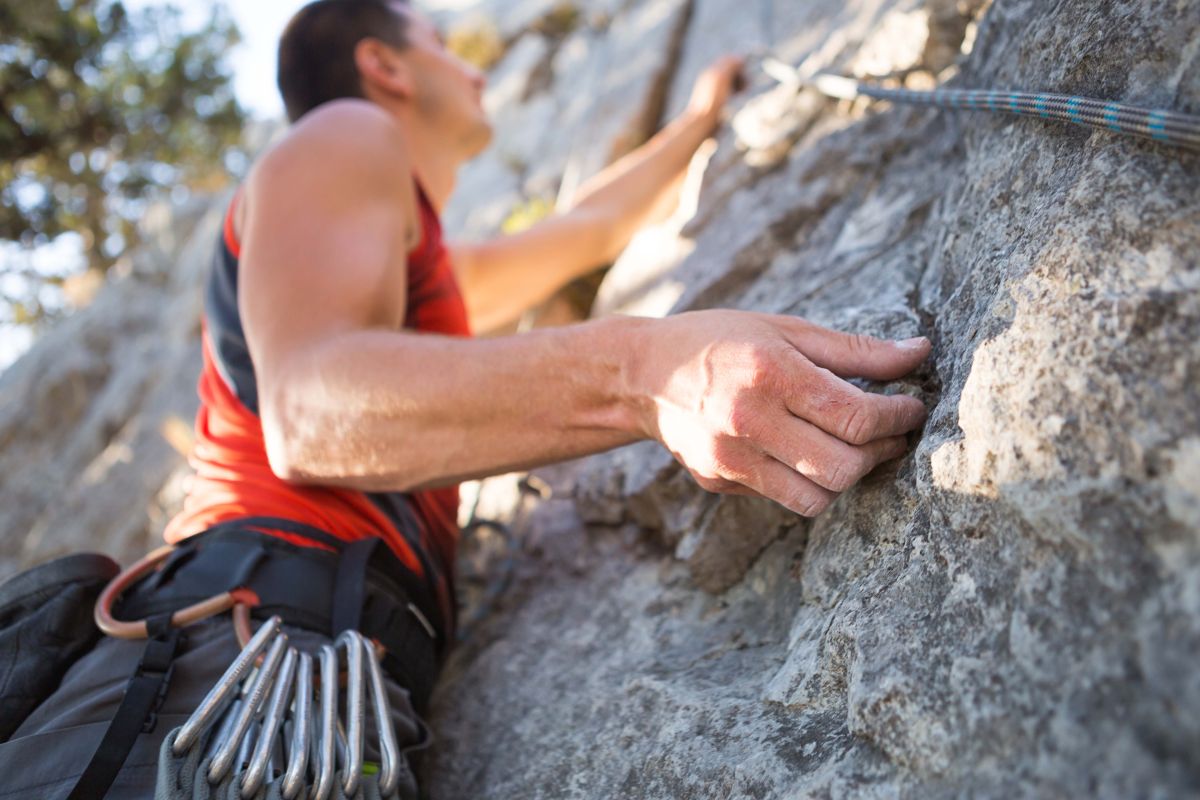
{"x": 233, "y": 478}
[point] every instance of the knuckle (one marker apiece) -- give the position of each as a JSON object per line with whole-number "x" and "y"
{"x": 758, "y": 366}
{"x": 860, "y": 344}
{"x": 742, "y": 418}
{"x": 711, "y": 467}
{"x": 716, "y": 484}
{"x": 723, "y": 454}
{"x": 810, "y": 504}
{"x": 755, "y": 384}
{"x": 840, "y": 475}
{"x": 859, "y": 423}
{"x": 761, "y": 361}
{"x": 727, "y": 487}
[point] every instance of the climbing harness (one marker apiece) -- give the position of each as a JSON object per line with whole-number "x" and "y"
{"x": 120, "y": 629}
{"x": 256, "y": 727}
{"x": 359, "y": 585}
{"x": 1168, "y": 127}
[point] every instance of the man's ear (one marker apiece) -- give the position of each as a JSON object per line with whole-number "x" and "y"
{"x": 382, "y": 67}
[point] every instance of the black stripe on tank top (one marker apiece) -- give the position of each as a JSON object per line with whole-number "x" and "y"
{"x": 231, "y": 355}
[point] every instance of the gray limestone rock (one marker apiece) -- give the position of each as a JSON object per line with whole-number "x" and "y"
{"x": 563, "y": 109}
{"x": 94, "y": 417}
{"x": 1010, "y": 610}
{"x": 1013, "y": 609}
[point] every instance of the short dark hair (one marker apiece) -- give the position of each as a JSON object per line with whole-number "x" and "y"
{"x": 316, "y": 51}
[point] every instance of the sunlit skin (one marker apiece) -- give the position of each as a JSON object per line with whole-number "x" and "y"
{"x": 749, "y": 403}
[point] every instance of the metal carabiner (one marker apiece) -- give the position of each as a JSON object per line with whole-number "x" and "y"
{"x": 302, "y": 721}
{"x": 249, "y": 739}
{"x": 355, "y": 710}
{"x": 136, "y": 629}
{"x": 253, "y": 695}
{"x": 222, "y": 734}
{"x": 343, "y": 753}
{"x": 389, "y": 771}
{"x": 244, "y": 748}
{"x": 256, "y": 772}
{"x": 221, "y": 693}
{"x": 323, "y": 761}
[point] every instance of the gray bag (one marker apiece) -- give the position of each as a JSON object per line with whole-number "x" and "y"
{"x": 45, "y": 626}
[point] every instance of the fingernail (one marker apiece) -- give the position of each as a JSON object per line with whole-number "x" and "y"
{"x": 915, "y": 343}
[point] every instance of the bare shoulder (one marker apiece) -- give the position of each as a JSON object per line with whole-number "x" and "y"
{"x": 352, "y": 141}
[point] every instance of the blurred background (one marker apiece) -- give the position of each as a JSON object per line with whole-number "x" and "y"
{"x": 106, "y": 107}
{"x": 1012, "y": 610}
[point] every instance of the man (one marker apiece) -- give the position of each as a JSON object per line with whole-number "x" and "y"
{"x": 343, "y": 399}
{"x": 749, "y": 403}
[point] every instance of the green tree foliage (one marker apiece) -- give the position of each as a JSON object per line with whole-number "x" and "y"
{"x": 102, "y": 110}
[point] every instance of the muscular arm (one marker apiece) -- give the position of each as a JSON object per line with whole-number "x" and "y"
{"x": 348, "y": 399}
{"x": 503, "y": 277}
{"x": 749, "y": 403}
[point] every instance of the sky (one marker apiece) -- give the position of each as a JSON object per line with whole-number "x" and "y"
{"x": 253, "y": 61}
{"x": 261, "y": 22}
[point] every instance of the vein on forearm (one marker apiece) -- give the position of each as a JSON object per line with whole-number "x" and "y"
{"x": 379, "y": 410}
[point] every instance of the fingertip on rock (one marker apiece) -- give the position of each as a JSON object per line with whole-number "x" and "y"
{"x": 917, "y": 343}
{"x": 913, "y": 410}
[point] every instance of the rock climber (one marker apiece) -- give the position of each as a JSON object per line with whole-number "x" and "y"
{"x": 343, "y": 398}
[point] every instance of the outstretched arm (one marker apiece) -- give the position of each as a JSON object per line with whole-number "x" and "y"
{"x": 504, "y": 276}
{"x": 749, "y": 403}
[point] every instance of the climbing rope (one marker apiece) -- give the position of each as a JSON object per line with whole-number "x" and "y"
{"x": 1168, "y": 127}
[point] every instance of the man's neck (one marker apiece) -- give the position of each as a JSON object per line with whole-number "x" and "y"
{"x": 434, "y": 164}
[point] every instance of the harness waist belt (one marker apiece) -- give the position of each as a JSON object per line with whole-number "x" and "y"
{"x": 362, "y": 586}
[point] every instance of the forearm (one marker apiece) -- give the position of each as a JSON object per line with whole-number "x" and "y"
{"x": 748, "y": 403}
{"x": 628, "y": 192}
{"x": 502, "y": 277}
{"x": 524, "y": 269}
{"x": 386, "y": 411}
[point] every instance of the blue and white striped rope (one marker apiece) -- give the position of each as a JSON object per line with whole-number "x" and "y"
{"x": 1169, "y": 127}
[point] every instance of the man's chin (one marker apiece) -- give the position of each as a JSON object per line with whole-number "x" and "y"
{"x": 480, "y": 139}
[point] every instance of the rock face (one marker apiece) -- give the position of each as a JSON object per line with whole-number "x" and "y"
{"x": 567, "y": 102}
{"x": 1011, "y": 610}
{"x": 96, "y": 417}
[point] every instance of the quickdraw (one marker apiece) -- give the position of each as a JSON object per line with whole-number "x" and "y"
{"x": 1167, "y": 127}
{"x": 260, "y": 724}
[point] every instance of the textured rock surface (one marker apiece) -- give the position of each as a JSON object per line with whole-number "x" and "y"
{"x": 95, "y": 418}
{"x": 566, "y": 106}
{"x": 1011, "y": 610}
